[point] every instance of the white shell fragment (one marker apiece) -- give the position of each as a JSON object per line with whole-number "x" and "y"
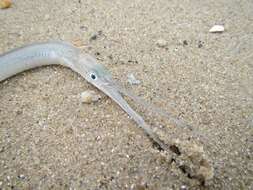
{"x": 89, "y": 96}
{"x": 217, "y": 29}
{"x": 132, "y": 80}
{"x": 161, "y": 43}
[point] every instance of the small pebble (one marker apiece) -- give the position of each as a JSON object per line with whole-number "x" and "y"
{"x": 97, "y": 54}
{"x": 89, "y": 96}
{"x": 21, "y": 176}
{"x": 132, "y": 80}
{"x": 93, "y": 37}
{"x": 200, "y": 44}
{"x": 161, "y": 43}
{"x": 217, "y": 29}
{"x": 4, "y": 4}
{"x": 183, "y": 187}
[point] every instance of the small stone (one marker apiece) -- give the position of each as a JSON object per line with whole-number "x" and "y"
{"x": 97, "y": 54}
{"x": 98, "y": 138}
{"x": 89, "y": 96}
{"x": 217, "y": 29}
{"x": 132, "y": 80}
{"x": 200, "y": 44}
{"x": 185, "y": 42}
{"x": 93, "y": 37}
{"x": 161, "y": 43}
{"x": 4, "y": 4}
{"x": 21, "y": 176}
{"x": 183, "y": 187}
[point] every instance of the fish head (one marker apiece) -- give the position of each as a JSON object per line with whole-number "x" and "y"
{"x": 93, "y": 72}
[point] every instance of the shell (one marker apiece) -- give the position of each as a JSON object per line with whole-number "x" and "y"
{"x": 217, "y": 29}
{"x": 89, "y": 96}
{"x": 4, "y": 4}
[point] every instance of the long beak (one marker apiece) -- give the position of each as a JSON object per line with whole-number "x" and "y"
{"x": 148, "y": 106}
{"x": 109, "y": 89}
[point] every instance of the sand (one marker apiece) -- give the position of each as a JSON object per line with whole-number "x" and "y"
{"x": 50, "y": 140}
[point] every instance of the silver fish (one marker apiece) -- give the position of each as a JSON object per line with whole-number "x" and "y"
{"x": 40, "y": 54}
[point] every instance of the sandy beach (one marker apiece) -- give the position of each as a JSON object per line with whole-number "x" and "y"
{"x": 50, "y": 140}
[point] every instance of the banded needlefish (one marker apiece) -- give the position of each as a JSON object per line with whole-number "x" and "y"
{"x": 50, "y": 53}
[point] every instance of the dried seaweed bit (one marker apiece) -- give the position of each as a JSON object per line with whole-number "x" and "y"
{"x": 4, "y": 4}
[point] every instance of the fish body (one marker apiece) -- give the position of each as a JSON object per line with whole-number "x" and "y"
{"x": 50, "y": 53}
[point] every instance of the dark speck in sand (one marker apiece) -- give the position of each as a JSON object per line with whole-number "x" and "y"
{"x": 93, "y": 37}
{"x": 200, "y": 44}
{"x": 185, "y": 42}
{"x": 97, "y": 54}
{"x": 110, "y": 57}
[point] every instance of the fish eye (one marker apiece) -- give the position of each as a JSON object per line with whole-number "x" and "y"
{"x": 93, "y": 76}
